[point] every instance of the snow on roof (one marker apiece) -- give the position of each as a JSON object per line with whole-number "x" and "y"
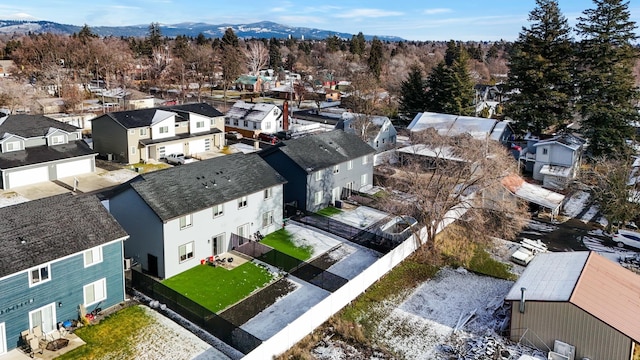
{"x": 556, "y": 170}
{"x": 498, "y": 130}
{"x": 550, "y": 277}
{"x": 436, "y": 152}
{"x": 532, "y": 193}
{"x": 571, "y": 141}
{"x": 447, "y": 124}
{"x": 376, "y": 120}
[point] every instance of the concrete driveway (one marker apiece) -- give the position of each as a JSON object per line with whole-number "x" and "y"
{"x": 99, "y": 180}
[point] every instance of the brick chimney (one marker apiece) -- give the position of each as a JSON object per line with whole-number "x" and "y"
{"x": 285, "y": 116}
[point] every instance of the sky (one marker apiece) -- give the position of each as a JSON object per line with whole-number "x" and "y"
{"x": 409, "y": 19}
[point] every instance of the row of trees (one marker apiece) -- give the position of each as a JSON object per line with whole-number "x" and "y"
{"x": 559, "y": 80}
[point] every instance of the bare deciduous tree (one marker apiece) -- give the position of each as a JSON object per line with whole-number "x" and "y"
{"x": 449, "y": 179}
{"x": 257, "y": 56}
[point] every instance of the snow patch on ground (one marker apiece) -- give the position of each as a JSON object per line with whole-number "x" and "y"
{"x": 590, "y": 214}
{"x": 319, "y": 242}
{"x": 360, "y": 217}
{"x": 11, "y": 198}
{"x": 356, "y": 259}
{"x": 119, "y": 176}
{"x": 540, "y": 227}
{"x": 576, "y": 203}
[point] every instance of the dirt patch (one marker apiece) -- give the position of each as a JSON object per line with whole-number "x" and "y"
{"x": 108, "y": 165}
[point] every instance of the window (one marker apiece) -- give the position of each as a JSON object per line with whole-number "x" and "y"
{"x": 242, "y": 202}
{"x": 212, "y": 122}
{"x": 185, "y": 251}
{"x": 267, "y": 219}
{"x": 318, "y": 198}
{"x": 377, "y": 143}
{"x": 268, "y": 193}
{"x": 243, "y": 232}
{"x": 545, "y": 151}
{"x": 336, "y": 169}
{"x": 318, "y": 175}
{"x": 246, "y": 124}
{"x": 39, "y": 275}
{"x": 132, "y": 131}
{"x": 93, "y": 256}
{"x": 95, "y": 292}
{"x": 226, "y": 121}
{"x": 133, "y": 150}
{"x": 235, "y": 122}
{"x": 365, "y": 160}
{"x": 218, "y": 210}
{"x": 177, "y": 125}
{"x": 255, "y": 125}
{"x": 350, "y": 165}
{"x": 58, "y": 139}
{"x": 143, "y": 131}
{"x": 164, "y": 129}
{"x": 267, "y": 125}
{"x": 199, "y": 124}
{"x": 12, "y": 146}
{"x": 185, "y": 221}
{"x": 363, "y": 180}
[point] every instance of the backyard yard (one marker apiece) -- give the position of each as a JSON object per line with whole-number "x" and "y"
{"x": 216, "y": 288}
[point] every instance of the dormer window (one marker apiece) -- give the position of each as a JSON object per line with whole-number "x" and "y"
{"x": 11, "y": 146}
{"x": 199, "y": 124}
{"x": 164, "y": 129}
{"x": 58, "y": 139}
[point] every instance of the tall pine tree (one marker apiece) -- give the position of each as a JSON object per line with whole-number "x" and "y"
{"x": 376, "y": 57}
{"x": 449, "y": 88}
{"x": 607, "y": 90}
{"x": 412, "y": 93}
{"x": 540, "y": 72}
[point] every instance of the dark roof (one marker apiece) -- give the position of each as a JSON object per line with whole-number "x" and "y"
{"x": 143, "y": 117}
{"x": 326, "y": 149}
{"x": 29, "y": 126}
{"x": 196, "y": 186}
{"x": 44, "y": 153}
{"x": 196, "y": 108}
{"x": 51, "y": 228}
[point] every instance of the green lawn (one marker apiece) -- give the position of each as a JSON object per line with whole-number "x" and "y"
{"x": 328, "y": 211}
{"x": 281, "y": 240}
{"x": 216, "y": 288}
{"x": 114, "y": 337}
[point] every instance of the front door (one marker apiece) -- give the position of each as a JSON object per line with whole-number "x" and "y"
{"x": 335, "y": 195}
{"x": 3, "y": 339}
{"x": 152, "y": 265}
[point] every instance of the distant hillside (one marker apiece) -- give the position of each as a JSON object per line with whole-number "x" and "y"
{"x": 264, "y": 29}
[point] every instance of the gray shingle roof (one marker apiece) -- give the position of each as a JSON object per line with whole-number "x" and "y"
{"x": 52, "y": 228}
{"x": 326, "y": 149}
{"x": 196, "y": 108}
{"x": 184, "y": 189}
{"x": 44, "y": 153}
{"x": 143, "y": 117}
{"x": 29, "y": 126}
{"x": 178, "y": 137}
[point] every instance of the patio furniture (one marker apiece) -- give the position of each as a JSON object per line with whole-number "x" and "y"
{"x": 34, "y": 347}
{"x": 57, "y": 344}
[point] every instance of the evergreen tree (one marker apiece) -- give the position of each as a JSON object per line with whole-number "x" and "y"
{"x": 275, "y": 59}
{"x": 230, "y": 38}
{"x": 606, "y": 80}
{"x": 452, "y": 52}
{"x": 540, "y": 71}
{"x": 357, "y": 44}
{"x": 201, "y": 39}
{"x": 333, "y": 43}
{"x": 154, "y": 36}
{"x": 412, "y": 92}
{"x": 440, "y": 85}
{"x": 463, "y": 92}
{"x": 375, "y": 58}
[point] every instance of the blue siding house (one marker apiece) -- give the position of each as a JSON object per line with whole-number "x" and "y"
{"x": 56, "y": 254}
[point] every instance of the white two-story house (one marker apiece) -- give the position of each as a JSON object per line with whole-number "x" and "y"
{"x": 252, "y": 119}
{"x": 179, "y": 216}
{"x": 377, "y": 131}
{"x": 35, "y": 149}
{"x": 141, "y": 135}
{"x": 557, "y": 160}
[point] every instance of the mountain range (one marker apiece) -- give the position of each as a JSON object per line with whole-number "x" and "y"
{"x": 263, "y": 29}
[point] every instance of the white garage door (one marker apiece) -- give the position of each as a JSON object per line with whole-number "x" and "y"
{"x": 196, "y": 146}
{"x": 171, "y": 149}
{"x": 73, "y": 168}
{"x": 28, "y": 177}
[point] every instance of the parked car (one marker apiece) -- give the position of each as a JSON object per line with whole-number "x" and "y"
{"x": 178, "y": 159}
{"x": 283, "y": 135}
{"x": 271, "y": 138}
{"x": 233, "y": 135}
{"x": 624, "y": 237}
{"x": 527, "y": 251}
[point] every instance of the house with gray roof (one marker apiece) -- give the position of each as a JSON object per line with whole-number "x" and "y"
{"x": 378, "y": 131}
{"x": 555, "y": 160}
{"x": 145, "y": 134}
{"x": 452, "y": 125}
{"x": 251, "y": 119}
{"x": 35, "y": 149}
{"x": 322, "y": 168}
{"x": 58, "y": 252}
{"x": 178, "y": 216}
